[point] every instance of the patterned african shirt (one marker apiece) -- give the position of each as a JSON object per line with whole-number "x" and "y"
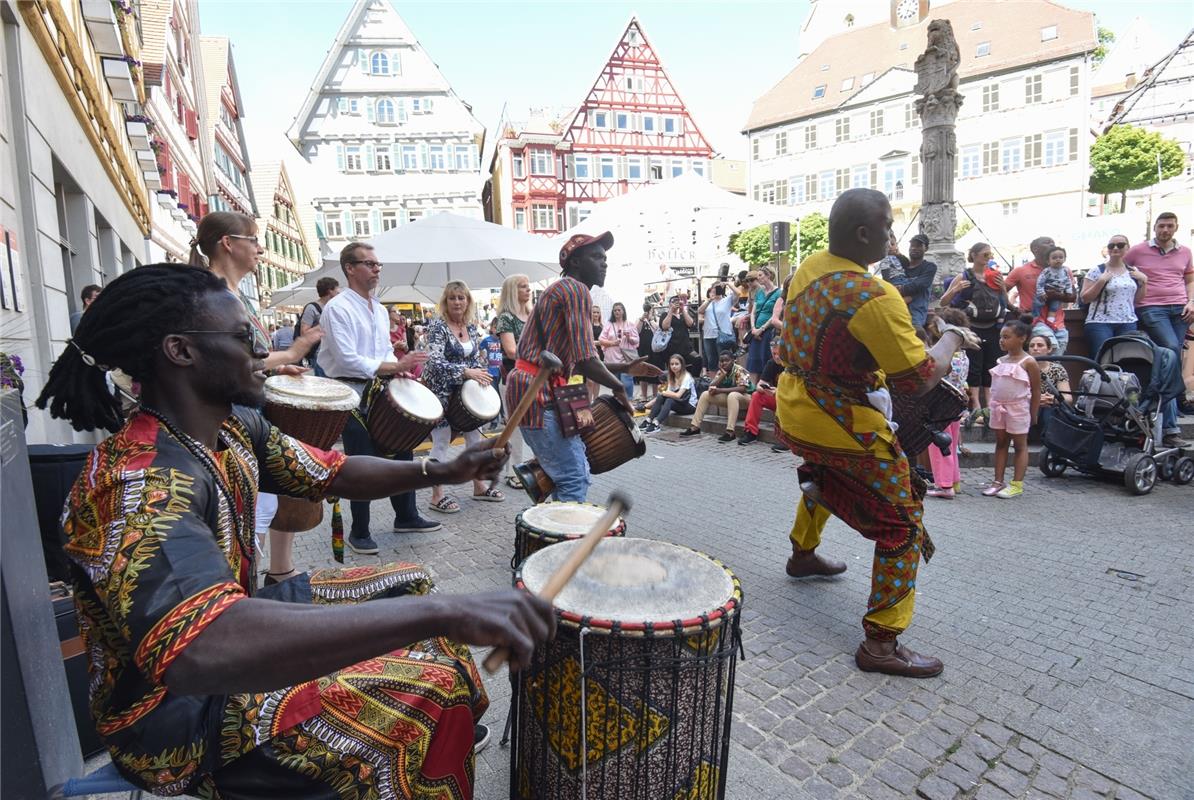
{"x": 562, "y": 322}
{"x": 157, "y": 556}
{"x": 846, "y": 333}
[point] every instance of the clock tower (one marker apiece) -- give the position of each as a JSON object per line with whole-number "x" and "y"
{"x": 905, "y": 13}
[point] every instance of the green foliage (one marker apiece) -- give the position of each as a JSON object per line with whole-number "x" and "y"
{"x": 754, "y": 244}
{"x": 964, "y": 227}
{"x": 814, "y": 236}
{"x": 1106, "y": 39}
{"x": 1125, "y": 158}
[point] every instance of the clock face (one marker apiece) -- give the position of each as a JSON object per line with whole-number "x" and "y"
{"x": 907, "y": 10}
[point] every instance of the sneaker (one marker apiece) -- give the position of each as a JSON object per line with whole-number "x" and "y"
{"x": 944, "y": 494}
{"x": 777, "y": 448}
{"x": 642, "y": 426}
{"x": 747, "y": 437}
{"x": 993, "y": 488}
{"x": 1013, "y": 489}
{"x": 728, "y": 436}
{"x": 480, "y": 737}
{"x": 416, "y": 525}
{"x": 363, "y": 545}
{"x": 1174, "y": 440}
{"x": 690, "y": 431}
{"x": 652, "y": 426}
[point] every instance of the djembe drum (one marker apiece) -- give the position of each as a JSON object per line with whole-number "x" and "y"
{"x": 313, "y": 410}
{"x": 922, "y": 420}
{"x": 472, "y": 405}
{"x": 633, "y": 698}
{"x": 402, "y": 414}
{"x": 553, "y": 522}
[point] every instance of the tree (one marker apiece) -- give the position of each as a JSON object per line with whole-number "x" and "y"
{"x": 1106, "y": 39}
{"x": 1127, "y": 157}
{"x": 964, "y": 227}
{"x": 752, "y": 245}
{"x": 814, "y": 236}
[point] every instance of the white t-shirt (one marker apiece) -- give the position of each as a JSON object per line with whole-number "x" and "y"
{"x": 717, "y": 317}
{"x": 1117, "y": 303}
{"x": 687, "y": 390}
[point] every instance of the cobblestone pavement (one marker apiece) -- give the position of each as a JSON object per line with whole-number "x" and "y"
{"x": 1062, "y": 618}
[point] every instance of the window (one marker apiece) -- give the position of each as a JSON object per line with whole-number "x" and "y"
{"x": 698, "y": 167}
{"x": 819, "y": 92}
{"x": 360, "y": 223}
{"x": 607, "y": 172}
{"x": 414, "y": 215}
{"x": 841, "y": 179}
{"x": 990, "y": 157}
{"x": 1010, "y": 208}
{"x": 1011, "y": 155}
{"x": 1073, "y": 81}
{"x": 333, "y": 228}
{"x": 632, "y": 84}
{"x": 379, "y": 64}
{"x": 893, "y": 180}
{"x": 382, "y": 160}
{"x": 1032, "y": 89}
{"x": 903, "y": 45}
{"x": 1032, "y": 150}
{"x": 877, "y": 122}
{"x": 1055, "y": 149}
{"x": 544, "y": 216}
{"x": 810, "y": 187}
{"x": 580, "y": 168}
{"x": 385, "y": 112}
{"x": 677, "y": 167}
{"x": 352, "y": 158}
{"x": 648, "y": 123}
{"x": 464, "y": 157}
{"x": 634, "y": 168}
{"x": 841, "y": 129}
{"x": 389, "y": 220}
{"x": 437, "y": 157}
{"x": 991, "y": 97}
{"x": 976, "y": 26}
{"x": 983, "y": 50}
{"x": 825, "y": 188}
{"x": 847, "y": 84}
{"x": 622, "y": 121}
{"x": 1048, "y": 33}
{"x": 600, "y": 119}
{"x": 410, "y": 157}
{"x": 520, "y": 219}
{"x": 767, "y": 192}
{"x": 911, "y": 118}
{"x": 541, "y": 163}
{"x": 781, "y": 144}
{"x": 796, "y": 190}
{"x": 859, "y": 176}
{"x": 671, "y": 126}
{"x": 754, "y": 148}
{"x": 972, "y": 161}
{"x": 1073, "y": 144}
{"x": 657, "y": 169}
{"x": 810, "y": 137}
{"x": 517, "y": 166}
{"x": 421, "y": 105}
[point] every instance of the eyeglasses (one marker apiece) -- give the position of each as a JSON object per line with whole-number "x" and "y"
{"x": 252, "y": 239}
{"x": 244, "y": 334}
{"x": 1117, "y": 245}
{"x": 367, "y": 264}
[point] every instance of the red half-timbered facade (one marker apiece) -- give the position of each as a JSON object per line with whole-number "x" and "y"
{"x": 630, "y": 130}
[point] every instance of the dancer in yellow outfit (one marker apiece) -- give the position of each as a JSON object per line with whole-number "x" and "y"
{"x": 847, "y": 339}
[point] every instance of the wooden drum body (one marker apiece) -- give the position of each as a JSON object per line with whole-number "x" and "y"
{"x": 553, "y": 522}
{"x": 613, "y": 440}
{"x": 313, "y": 410}
{"x": 922, "y": 419}
{"x": 535, "y": 480}
{"x": 402, "y": 414}
{"x": 634, "y": 696}
{"x": 473, "y": 405}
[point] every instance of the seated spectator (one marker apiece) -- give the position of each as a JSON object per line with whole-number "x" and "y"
{"x": 1110, "y": 292}
{"x": 677, "y": 395}
{"x": 1055, "y": 381}
{"x": 946, "y": 468}
{"x": 763, "y": 396}
{"x": 729, "y": 389}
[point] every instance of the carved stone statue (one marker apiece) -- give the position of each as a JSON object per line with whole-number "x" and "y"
{"x": 938, "y": 104}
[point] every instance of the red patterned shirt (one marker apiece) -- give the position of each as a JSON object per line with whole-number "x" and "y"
{"x": 561, "y": 323}
{"x": 157, "y": 555}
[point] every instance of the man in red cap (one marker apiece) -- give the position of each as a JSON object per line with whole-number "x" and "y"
{"x": 562, "y": 324}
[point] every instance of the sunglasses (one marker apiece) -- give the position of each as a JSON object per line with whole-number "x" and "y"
{"x": 245, "y": 335}
{"x": 252, "y": 239}
{"x": 1117, "y": 245}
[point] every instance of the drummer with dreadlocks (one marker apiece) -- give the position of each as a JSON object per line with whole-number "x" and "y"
{"x": 848, "y": 341}
{"x": 201, "y": 683}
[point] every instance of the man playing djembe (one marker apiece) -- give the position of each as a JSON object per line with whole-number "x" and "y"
{"x": 847, "y": 340}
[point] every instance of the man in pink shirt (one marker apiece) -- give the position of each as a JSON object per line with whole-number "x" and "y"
{"x": 1167, "y": 308}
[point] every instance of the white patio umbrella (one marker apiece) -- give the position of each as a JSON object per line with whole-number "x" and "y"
{"x": 301, "y": 292}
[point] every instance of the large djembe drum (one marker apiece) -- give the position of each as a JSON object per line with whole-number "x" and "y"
{"x": 472, "y": 405}
{"x": 923, "y": 420}
{"x": 401, "y": 415}
{"x": 633, "y": 698}
{"x": 313, "y": 410}
{"x": 554, "y": 522}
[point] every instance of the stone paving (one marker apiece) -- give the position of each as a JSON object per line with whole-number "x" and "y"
{"x": 1061, "y": 616}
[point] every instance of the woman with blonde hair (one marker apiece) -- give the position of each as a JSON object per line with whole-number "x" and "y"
{"x": 226, "y": 243}
{"x": 514, "y": 307}
{"x": 454, "y": 355}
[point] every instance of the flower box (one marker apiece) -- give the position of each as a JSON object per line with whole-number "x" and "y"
{"x": 190, "y": 227}
{"x": 138, "y": 134}
{"x": 152, "y": 179}
{"x": 179, "y": 214}
{"x": 147, "y": 159}
{"x": 100, "y": 19}
{"x": 120, "y": 82}
{"x": 166, "y": 200}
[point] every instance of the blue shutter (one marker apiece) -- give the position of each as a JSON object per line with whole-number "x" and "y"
{"x": 363, "y": 60}
{"x": 346, "y": 221}
{"x": 375, "y": 222}
{"x": 370, "y": 158}
{"x": 340, "y": 157}
{"x": 395, "y": 62}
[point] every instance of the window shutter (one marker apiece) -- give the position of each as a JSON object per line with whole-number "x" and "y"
{"x": 424, "y": 159}
{"x": 370, "y": 158}
{"x": 340, "y": 157}
{"x": 346, "y": 221}
{"x": 184, "y": 188}
{"x": 1073, "y": 144}
{"x": 396, "y": 157}
{"x": 810, "y": 185}
{"x": 342, "y": 105}
{"x": 375, "y": 222}
{"x": 402, "y": 110}
{"x": 370, "y": 111}
{"x": 874, "y": 176}
{"x": 363, "y": 60}
{"x": 320, "y": 222}
{"x": 916, "y": 168}
{"x": 427, "y": 105}
{"x": 570, "y": 166}
{"x": 395, "y": 62}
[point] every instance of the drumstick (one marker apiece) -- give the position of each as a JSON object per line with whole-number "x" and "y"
{"x": 619, "y": 504}
{"x": 548, "y": 363}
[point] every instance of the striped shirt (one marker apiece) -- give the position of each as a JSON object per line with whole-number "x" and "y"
{"x": 561, "y": 323}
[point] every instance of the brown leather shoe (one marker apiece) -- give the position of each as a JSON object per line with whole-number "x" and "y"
{"x": 804, "y": 565}
{"x": 901, "y": 661}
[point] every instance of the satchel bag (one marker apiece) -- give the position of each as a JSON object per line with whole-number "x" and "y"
{"x": 724, "y": 338}
{"x": 660, "y": 340}
{"x": 571, "y": 400}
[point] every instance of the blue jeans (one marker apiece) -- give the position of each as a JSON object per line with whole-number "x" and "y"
{"x": 358, "y": 443}
{"x": 663, "y": 407}
{"x": 562, "y": 458}
{"x": 1165, "y": 326}
{"x": 1099, "y": 332}
{"x": 627, "y": 383}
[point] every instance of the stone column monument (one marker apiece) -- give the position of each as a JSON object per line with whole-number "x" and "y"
{"x": 937, "y": 105}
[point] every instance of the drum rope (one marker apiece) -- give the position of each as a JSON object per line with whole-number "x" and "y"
{"x": 584, "y": 725}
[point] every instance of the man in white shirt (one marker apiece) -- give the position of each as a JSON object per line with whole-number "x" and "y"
{"x": 356, "y": 349}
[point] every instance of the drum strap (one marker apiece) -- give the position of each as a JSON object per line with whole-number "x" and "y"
{"x": 533, "y": 370}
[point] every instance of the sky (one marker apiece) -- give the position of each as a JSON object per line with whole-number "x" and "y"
{"x": 719, "y": 55}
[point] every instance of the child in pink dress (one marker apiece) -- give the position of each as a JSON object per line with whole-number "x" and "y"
{"x": 1015, "y": 402}
{"x": 947, "y": 472}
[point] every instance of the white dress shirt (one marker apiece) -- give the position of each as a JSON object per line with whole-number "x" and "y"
{"x": 356, "y": 337}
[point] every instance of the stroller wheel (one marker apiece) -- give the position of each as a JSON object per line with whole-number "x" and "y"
{"x": 1165, "y": 468}
{"x": 1050, "y": 465}
{"x": 1183, "y": 471}
{"x": 1140, "y": 473}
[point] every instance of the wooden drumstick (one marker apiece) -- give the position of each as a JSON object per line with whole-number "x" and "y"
{"x": 548, "y": 363}
{"x": 619, "y": 504}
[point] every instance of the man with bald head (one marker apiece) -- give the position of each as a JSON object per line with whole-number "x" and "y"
{"x": 848, "y": 339}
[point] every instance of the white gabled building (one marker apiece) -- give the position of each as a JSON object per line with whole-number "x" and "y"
{"x": 387, "y": 138}
{"x": 231, "y": 190}
{"x": 844, "y": 116}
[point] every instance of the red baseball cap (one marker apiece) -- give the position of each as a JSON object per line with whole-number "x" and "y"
{"x": 580, "y": 240}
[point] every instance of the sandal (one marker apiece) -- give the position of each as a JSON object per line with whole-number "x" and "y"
{"x": 514, "y": 482}
{"x": 490, "y": 495}
{"x": 446, "y": 505}
{"x": 994, "y": 488}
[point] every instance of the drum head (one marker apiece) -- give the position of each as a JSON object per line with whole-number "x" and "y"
{"x": 634, "y": 580}
{"x": 564, "y": 518}
{"x": 483, "y": 402}
{"x": 309, "y": 392}
{"x": 415, "y": 399}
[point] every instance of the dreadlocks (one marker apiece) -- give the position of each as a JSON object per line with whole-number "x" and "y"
{"x": 123, "y": 329}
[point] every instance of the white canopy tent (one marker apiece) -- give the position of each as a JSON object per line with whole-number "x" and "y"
{"x": 669, "y": 232}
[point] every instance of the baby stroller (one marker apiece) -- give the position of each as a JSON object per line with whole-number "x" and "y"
{"x": 1113, "y": 424}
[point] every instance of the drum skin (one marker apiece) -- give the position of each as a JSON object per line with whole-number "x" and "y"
{"x": 296, "y": 515}
{"x": 613, "y": 440}
{"x": 311, "y": 409}
{"x": 464, "y": 416}
{"x": 530, "y": 537}
{"x": 657, "y": 696}
{"x": 395, "y": 428}
{"x": 535, "y": 480}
